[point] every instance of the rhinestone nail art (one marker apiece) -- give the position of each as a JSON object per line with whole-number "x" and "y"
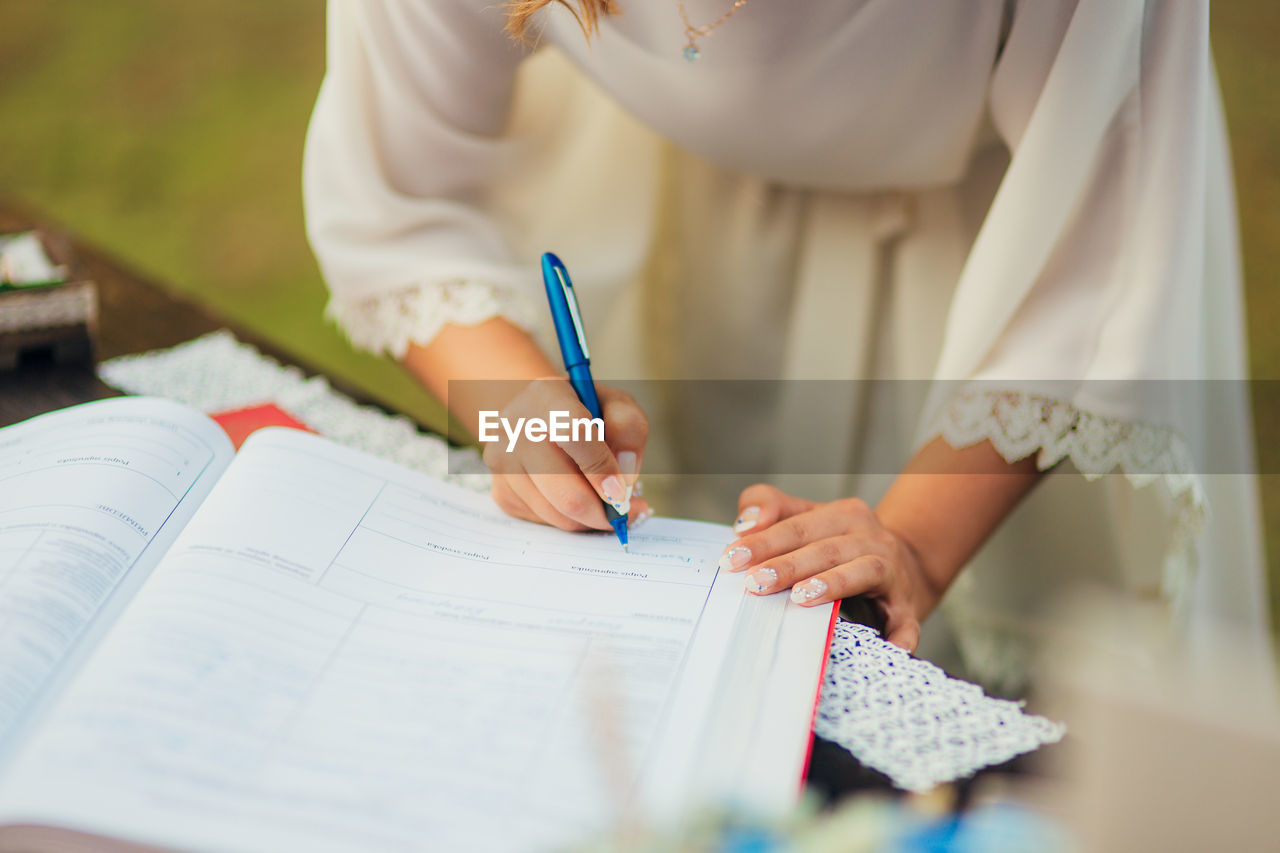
{"x": 761, "y": 580}
{"x": 735, "y": 559}
{"x": 807, "y": 591}
{"x": 747, "y": 519}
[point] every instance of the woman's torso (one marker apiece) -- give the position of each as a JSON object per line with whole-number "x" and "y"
{"x": 835, "y": 94}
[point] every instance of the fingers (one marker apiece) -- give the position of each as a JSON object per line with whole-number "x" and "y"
{"x": 541, "y": 509}
{"x": 761, "y": 505}
{"x": 824, "y": 553}
{"x": 868, "y": 575}
{"x": 571, "y": 495}
{"x": 542, "y": 484}
{"x": 519, "y": 496}
{"x": 640, "y": 513}
{"x": 508, "y": 501}
{"x": 813, "y": 559}
{"x": 626, "y": 429}
{"x": 592, "y": 457}
{"x": 516, "y": 496}
{"x": 906, "y": 636}
{"x": 568, "y": 475}
{"x": 565, "y": 490}
{"x": 799, "y": 529}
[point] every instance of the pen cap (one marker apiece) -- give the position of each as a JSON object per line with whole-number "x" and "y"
{"x": 564, "y": 312}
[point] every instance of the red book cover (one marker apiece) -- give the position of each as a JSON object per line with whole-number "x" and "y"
{"x": 817, "y": 698}
{"x": 239, "y": 424}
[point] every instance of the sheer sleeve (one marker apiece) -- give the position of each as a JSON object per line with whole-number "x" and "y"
{"x": 1091, "y": 262}
{"x": 1102, "y": 286}
{"x": 405, "y": 143}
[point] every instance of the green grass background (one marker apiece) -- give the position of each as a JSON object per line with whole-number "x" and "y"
{"x": 170, "y": 132}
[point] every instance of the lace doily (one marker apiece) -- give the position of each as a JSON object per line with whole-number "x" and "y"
{"x": 212, "y": 373}
{"x": 216, "y": 373}
{"x": 911, "y": 721}
{"x": 1018, "y": 424}
{"x": 389, "y": 322}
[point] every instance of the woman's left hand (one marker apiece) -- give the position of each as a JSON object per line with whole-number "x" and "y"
{"x": 822, "y": 552}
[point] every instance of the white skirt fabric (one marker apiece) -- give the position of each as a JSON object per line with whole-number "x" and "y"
{"x": 700, "y": 273}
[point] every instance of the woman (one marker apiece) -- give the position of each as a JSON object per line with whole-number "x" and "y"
{"x": 1025, "y": 204}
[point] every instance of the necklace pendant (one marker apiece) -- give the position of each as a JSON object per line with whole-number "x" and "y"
{"x": 692, "y": 33}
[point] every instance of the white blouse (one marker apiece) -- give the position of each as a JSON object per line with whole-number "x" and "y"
{"x": 1099, "y": 223}
{"x": 1105, "y": 250}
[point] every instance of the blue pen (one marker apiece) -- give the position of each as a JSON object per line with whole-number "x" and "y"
{"x": 577, "y": 358}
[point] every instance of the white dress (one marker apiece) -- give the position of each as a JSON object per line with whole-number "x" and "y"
{"x": 1014, "y": 218}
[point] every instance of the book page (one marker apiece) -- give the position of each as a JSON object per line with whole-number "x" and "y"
{"x": 90, "y": 497}
{"x": 340, "y": 654}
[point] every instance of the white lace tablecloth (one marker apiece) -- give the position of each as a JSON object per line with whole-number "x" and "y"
{"x": 895, "y": 713}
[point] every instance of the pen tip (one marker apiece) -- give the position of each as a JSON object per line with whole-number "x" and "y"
{"x": 619, "y": 526}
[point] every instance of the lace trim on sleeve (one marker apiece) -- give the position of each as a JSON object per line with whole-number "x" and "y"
{"x": 389, "y": 322}
{"x": 1018, "y": 424}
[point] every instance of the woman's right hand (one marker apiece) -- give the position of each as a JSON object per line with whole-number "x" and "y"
{"x": 476, "y": 368}
{"x": 562, "y": 483}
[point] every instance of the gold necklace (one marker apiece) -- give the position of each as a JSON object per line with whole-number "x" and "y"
{"x": 692, "y": 33}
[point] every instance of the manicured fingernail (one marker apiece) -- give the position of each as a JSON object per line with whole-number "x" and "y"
{"x": 641, "y": 518}
{"x": 803, "y": 593}
{"x": 761, "y": 580}
{"x": 627, "y": 463}
{"x": 638, "y": 489}
{"x": 735, "y": 559}
{"x": 747, "y": 519}
{"x": 616, "y": 494}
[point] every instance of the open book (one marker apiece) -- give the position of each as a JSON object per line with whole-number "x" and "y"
{"x": 302, "y": 647}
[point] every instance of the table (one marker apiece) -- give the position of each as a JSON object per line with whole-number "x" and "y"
{"x": 136, "y": 314}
